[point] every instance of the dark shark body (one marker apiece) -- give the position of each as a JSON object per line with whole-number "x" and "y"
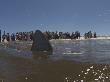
{"x": 40, "y": 43}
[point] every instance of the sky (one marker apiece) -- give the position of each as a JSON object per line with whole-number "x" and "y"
{"x": 52, "y": 15}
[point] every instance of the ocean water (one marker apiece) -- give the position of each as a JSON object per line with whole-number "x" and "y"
{"x": 70, "y": 61}
{"x": 89, "y": 51}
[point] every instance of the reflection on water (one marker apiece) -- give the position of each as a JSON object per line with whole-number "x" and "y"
{"x": 70, "y": 61}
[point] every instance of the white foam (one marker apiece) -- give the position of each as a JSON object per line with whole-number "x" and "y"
{"x": 73, "y": 53}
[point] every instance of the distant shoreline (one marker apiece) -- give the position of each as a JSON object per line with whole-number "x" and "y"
{"x": 82, "y": 38}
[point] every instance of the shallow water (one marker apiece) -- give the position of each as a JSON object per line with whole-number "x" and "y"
{"x": 71, "y": 61}
{"x": 90, "y": 51}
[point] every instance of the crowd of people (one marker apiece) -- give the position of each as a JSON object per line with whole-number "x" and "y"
{"x": 19, "y": 36}
{"x": 62, "y": 35}
{"x": 67, "y": 35}
{"x": 90, "y": 35}
{"x": 28, "y": 36}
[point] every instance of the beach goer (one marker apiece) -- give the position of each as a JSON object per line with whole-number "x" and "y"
{"x": 12, "y": 37}
{"x": 3, "y": 37}
{"x": 95, "y": 35}
{"x": 8, "y": 37}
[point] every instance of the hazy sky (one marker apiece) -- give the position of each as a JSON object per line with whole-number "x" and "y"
{"x": 61, "y": 15}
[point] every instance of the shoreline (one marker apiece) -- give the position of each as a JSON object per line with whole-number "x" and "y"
{"x": 82, "y": 38}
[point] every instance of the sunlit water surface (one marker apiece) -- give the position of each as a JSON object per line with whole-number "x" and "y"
{"x": 71, "y": 61}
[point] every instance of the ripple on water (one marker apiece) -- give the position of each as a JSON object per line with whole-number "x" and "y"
{"x": 93, "y": 73}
